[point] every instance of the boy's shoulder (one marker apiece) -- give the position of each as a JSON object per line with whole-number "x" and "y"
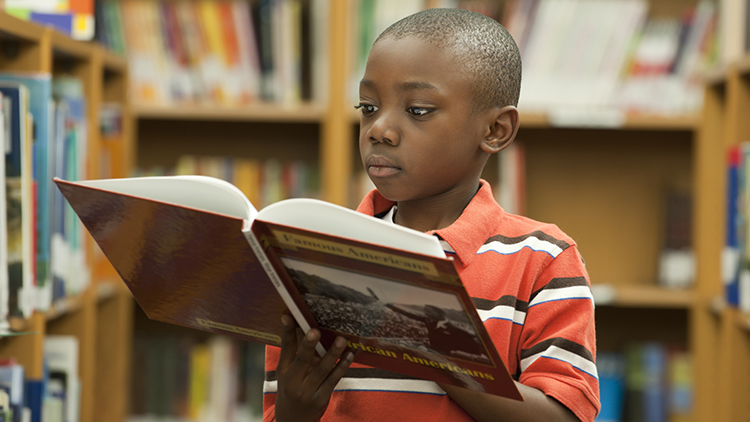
{"x": 514, "y": 225}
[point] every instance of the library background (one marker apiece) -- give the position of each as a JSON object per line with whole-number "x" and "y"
{"x": 642, "y": 102}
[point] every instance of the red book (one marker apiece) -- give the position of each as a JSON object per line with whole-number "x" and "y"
{"x": 195, "y": 252}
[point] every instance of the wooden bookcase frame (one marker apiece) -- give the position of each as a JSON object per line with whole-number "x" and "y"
{"x": 721, "y": 333}
{"x": 100, "y": 317}
{"x": 620, "y": 233}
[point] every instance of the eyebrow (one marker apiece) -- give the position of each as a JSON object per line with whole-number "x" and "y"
{"x": 404, "y": 86}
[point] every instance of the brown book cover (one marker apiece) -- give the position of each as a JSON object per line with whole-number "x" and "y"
{"x": 194, "y": 252}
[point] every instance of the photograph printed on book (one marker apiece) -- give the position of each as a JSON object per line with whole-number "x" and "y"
{"x": 387, "y": 311}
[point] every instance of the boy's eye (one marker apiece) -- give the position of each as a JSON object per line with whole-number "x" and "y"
{"x": 367, "y": 109}
{"x": 418, "y": 111}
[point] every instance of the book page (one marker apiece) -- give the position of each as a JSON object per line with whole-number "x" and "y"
{"x": 324, "y": 217}
{"x": 200, "y": 192}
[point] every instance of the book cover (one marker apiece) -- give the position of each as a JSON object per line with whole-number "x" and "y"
{"x": 195, "y": 252}
{"x": 162, "y": 271}
{"x": 405, "y": 312}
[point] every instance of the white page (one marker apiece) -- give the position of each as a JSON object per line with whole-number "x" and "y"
{"x": 328, "y": 218}
{"x": 201, "y": 192}
{"x": 216, "y": 195}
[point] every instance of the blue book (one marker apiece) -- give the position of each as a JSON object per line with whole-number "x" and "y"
{"x": 69, "y": 145}
{"x": 655, "y": 398}
{"x": 40, "y": 97}
{"x": 611, "y": 369}
{"x": 732, "y": 254}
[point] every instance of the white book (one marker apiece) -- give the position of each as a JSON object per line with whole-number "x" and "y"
{"x": 4, "y": 281}
{"x": 61, "y": 354}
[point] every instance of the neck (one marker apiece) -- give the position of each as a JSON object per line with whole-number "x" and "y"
{"x": 434, "y": 213}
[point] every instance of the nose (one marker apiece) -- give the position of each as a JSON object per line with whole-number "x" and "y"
{"x": 383, "y": 130}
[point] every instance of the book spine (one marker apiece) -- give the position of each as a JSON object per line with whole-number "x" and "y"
{"x": 276, "y": 280}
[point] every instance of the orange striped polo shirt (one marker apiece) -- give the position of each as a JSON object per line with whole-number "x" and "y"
{"x": 531, "y": 289}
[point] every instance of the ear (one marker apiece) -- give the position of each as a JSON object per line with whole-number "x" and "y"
{"x": 502, "y": 129}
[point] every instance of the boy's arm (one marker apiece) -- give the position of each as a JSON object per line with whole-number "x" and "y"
{"x": 556, "y": 351}
{"x": 305, "y": 382}
{"x": 486, "y": 407}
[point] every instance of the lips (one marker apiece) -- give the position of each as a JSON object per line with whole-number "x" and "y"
{"x": 378, "y": 166}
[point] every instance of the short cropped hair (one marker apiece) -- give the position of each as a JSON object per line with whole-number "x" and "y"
{"x": 482, "y": 46}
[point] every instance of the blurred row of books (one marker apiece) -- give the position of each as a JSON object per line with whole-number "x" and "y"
{"x": 613, "y": 54}
{"x": 54, "y": 398}
{"x": 599, "y": 56}
{"x": 264, "y": 182}
{"x": 44, "y": 132}
{"x": 184, "y": 378}
{"x": 229, "y": 52}
{"x": 595, "y": 56}
{"x": 645, "y": 382}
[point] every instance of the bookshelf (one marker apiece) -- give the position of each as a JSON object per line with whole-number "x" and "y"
{"x": 721, "y": 337}
{"x": 101, "y": 316}
{"x": 604, "y": 184}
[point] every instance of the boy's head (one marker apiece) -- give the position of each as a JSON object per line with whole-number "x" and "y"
{"x": 485, "y": 49}
{"x": 437, "y": 98}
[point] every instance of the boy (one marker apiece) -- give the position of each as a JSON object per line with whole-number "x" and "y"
{"x": 437, "y": 99}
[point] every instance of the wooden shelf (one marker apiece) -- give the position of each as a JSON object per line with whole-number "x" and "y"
{"x": 715, "y": 76}
{"x": 642, "y": 296}
{"x": 64, "y": 46}
{"x": 743, "y": 66}
{"x": 64, "y": 306}
{"x": 260, "y": 112}
{"x": 12, "y": 27}
{"x": 743, "y": 320}
{"x": 113, "y": 62}
{"x": 541, "y": 120}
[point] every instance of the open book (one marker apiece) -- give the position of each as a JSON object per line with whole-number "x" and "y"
{"x": 195, "y": 252}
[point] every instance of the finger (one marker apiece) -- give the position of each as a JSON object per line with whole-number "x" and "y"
{"x": 288, "y": 342}
{"x": 335, "y": 375}
{"x": 323, "y": 369}
{"x": 306, "y": 348}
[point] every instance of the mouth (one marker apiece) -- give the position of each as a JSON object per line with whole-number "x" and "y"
{"x": 378, "y": 166}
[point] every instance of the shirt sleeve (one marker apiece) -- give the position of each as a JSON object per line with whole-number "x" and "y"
{"x": 558, "y": 343}
{"x": 270, "y": 384}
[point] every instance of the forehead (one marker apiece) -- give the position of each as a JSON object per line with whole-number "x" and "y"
{"x": 415, "y": 58}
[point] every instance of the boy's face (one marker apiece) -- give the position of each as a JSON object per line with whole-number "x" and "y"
{"x": 419, "y": 137}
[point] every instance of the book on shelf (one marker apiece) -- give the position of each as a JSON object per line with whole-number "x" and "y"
{"x": 13, "y": 384}
{"x": 4, "y": 274}
{"x": 70, "y": 272}
{"x": 39, "y": 87}
{"x": 677, "y": 260}
{"x": 63, "y": 388}
{"x": 736, "y": 252}
{"x": 195, "y": 252}
{"x": 19, "y": 199}
{"x": 74, "y": 18}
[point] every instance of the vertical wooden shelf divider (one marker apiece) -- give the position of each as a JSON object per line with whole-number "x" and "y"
{"x": 336, "y": 130}
{"x": 720, "y": 334}
{"x": 709, "y": 232}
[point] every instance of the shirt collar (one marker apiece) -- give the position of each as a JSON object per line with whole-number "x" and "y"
{"x": 476, "y": 224}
